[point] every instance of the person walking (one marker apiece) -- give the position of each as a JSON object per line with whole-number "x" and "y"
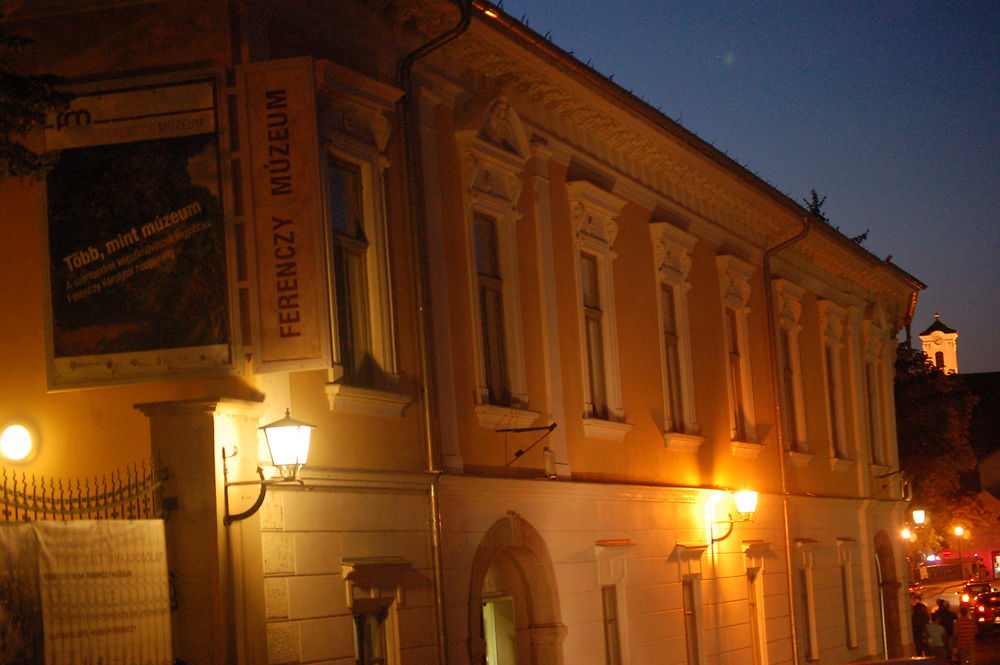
{"x": 947, "y": 619}
{"x": 964, "y": 637}
{"x": 934, "y": 633}
{"x": 919, "y": 620}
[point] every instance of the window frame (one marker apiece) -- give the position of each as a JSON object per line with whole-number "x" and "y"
{"x": 788, "y": 309}
{"x": 372, "y": 390}
{"x": 494, "y": 161}
{"x": 832, "y": 325}
{"x": 594, "y": 214}
{"x": 672, "y": 249}
{"x": 877, "y": 398}
{"x": 734, "y": 281}
{"x": 692, "y": 610}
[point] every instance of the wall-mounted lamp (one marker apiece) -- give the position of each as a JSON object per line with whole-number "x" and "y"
{"x": 288, "y": 444}
{"x": 919, "y": 516}
{"x": 18, "y": 443}
{"x": 746, "y": 506}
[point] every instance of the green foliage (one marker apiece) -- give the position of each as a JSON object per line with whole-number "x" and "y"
{"x": 24, "y": 102}
{"x": 814, "y": 204}
{"x": 933, "y": 411}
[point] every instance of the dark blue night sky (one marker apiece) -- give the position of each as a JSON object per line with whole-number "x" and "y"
{"x": 891, "y": 109}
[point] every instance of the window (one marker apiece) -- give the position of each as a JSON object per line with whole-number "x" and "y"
{"x": 788, "y": 307}
{"x": 672, "y": 249}
{"x": 593, "y": 215}
{"x": 372, "y": 586}
{"x": 691, "y": 597}
{"x": 349, "y": 249}
{"x": 874, "y": 344}
{"x": 845, "y": 559}
{"x": 758, "y": 622}
{"x": 496, "y": 154}
{"x": 612, "y": 634}
{"x": 806, "y": 547}
{"x": 832, "y": 325}
{"x": 611, "y": 576}
{"x": 363, "y": 377}
{"x": 756, "y": 552}
{"x": 593, "y": 326}
{"x": 491, "y": 316}
{"x": 939, "y": 359}
{"x": 369, "y": 637}
{"x": 734, "y": 277}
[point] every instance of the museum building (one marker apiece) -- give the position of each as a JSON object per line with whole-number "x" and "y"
{"x": 546, "y": 337}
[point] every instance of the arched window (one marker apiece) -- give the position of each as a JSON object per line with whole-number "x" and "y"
{"x": 939, "y": 359}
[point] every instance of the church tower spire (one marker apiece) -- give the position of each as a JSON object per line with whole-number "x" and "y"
{"x": 941, "y": 345}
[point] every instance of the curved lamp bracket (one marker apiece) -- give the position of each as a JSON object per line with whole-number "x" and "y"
{"x": 228, "y": 519}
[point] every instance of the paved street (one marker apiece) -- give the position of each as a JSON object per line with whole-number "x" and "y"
{"x": 988, "y": 650}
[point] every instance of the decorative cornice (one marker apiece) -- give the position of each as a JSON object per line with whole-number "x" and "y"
{"x": 574, "y": 111}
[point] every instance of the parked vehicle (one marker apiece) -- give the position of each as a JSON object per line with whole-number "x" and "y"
{"x": 986, "y": 611}
{"x": 971, "y": 591}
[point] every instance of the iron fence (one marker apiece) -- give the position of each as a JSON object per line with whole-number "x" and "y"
{"x": 132, "y": 493}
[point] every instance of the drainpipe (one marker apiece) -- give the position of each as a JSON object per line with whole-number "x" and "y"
{"x": 779, "y": 425}
{"x": 421, "y": 270}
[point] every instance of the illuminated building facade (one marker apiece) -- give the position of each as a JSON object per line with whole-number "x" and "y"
{"x": 543, "y": 332}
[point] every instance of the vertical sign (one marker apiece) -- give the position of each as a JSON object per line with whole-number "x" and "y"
{"x": 85, "y": 592}
{"x": 292, "y": 303}
{"x": 136, "y": 241}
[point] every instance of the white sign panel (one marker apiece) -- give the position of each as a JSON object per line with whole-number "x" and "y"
{"x": 100, "y": 589}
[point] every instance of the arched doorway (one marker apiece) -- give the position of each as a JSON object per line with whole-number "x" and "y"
{"x": 513, "y": 602}
{"x": 889, "y": 590}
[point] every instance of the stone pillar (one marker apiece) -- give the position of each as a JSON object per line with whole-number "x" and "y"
{"x": 216, "y": 572}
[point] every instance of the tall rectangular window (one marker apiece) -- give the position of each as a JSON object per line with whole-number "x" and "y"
{"x": 788, "y": 388}
{"x": 833, "y": 402}
{"x": 734, "y": 281}
{"x": 593, "y": 319}
{"x": 612, "y": 632}
{"x": 349, "y": 254}
{"x": 370, "y": 638}
{"x": 672, "y": 358}
{"x": 758, "y": 619}
{"x": 873, "y": 413}
{"x": 594, "y": 212}
{"x": 672, "y": 248}
{"x": 491, "y": 315}
{"x": 737, "y": 416}
{"x": 832, "y": 324}
{"x": 691, "y": 598}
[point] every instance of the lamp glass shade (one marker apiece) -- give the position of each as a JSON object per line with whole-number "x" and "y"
{"x": 746, "y": 503}
{"x": 919, "y": 516}
{"x": 288, "y": 441}
{"x": 959, "y": 530}
{"x": 16, "y": 443}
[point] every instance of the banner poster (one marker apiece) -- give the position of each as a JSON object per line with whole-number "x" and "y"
{"x": 292, "y": 313}
{"x": 137, "y": 257}
{"x": 84, "y": 593}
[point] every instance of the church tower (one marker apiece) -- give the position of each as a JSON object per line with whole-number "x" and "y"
{"x": 941, "y": 345}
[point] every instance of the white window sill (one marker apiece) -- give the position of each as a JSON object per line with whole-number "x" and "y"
{"x": 747, "y": 449}
{"x": 679, "y": 441}
{"x": 493, "y": 416}
{"x": 799, "y": 459}
{"x": 605, "y": 429}
{"x": 838, "y": 464}
{"x": 366, "y": 401}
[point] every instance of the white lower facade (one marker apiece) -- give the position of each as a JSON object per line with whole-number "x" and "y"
{"x": 555, "y": 572}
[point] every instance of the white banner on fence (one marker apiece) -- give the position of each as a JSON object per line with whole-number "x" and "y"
{"x": 100, "y": 593}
